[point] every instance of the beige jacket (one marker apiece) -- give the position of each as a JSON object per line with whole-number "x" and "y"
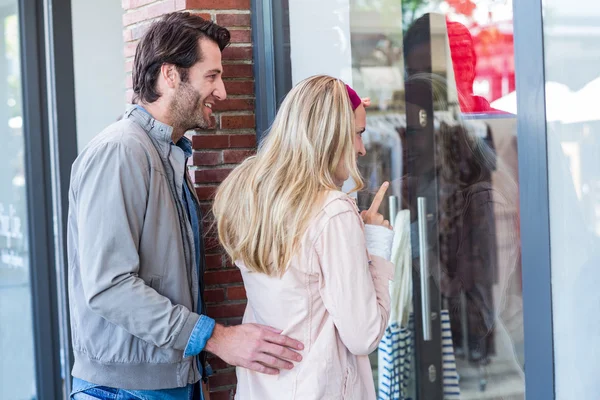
{"x": 334, "y": 298}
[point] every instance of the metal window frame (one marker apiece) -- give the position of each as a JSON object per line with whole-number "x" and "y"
{"x": 50, "y": 148}
{"x": 534, "y": 199}
{"x": 62, "y": 128}
{"x": 272, "y": 83}
{"x": 272, "y": 78}
{"x": 39, "y": 203}
{"x": 264, "y": 65}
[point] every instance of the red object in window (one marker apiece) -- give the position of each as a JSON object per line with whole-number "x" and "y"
{"x": 464, "y": 60}
{"x": 483, "y": 54}
{"x": 464, "y": 7}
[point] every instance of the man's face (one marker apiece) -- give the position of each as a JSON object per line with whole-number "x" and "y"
{"x": 192, "y": 101}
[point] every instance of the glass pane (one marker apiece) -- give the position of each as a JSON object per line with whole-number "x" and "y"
{"x": 17, "y": 368}
{"x": 571, "y": 51}
{"x": 462, "y": 160}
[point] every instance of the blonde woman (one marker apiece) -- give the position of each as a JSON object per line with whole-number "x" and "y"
{"x": 313, "y": 266}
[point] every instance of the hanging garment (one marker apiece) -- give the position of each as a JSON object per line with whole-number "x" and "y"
{"x": 396, "y": 347}
{"x": 383, "y": 161}
{"x": 449, "y": 372}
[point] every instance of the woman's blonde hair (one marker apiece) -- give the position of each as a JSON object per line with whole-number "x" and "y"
{"x": 263, "y": 208}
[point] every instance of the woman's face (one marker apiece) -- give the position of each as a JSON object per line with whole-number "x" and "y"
{"x": 342, "y": 173}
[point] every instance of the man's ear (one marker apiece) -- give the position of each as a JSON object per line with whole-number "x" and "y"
{"x": 170, "y": 75}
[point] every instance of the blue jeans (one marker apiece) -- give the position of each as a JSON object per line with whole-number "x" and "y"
{"x": 88, "y": 391}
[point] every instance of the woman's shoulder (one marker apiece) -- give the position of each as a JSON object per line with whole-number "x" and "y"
{"x": 337, "y": 202}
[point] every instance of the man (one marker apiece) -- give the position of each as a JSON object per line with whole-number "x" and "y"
{"x": 136, "y": 257}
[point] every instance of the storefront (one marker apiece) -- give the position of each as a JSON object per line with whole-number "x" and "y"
{"x": 484, "y": 189}
{"x": 502, "y": 206}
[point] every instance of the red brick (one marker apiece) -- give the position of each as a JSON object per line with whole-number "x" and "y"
{"x": 211, "y": 243}
{"x": 207, "y": 158}
{"x": 210, "y": 229}
{"x": 221, "y": 395}
{"x": 238, "y": 53}
{"x": 229, "y": 20}
{"x": 223, "y": 276}
{"x": 236, "y": 293}
{"x": 239, "y": 87}
{"x": 242, "y": 141}
{"x": 205, "y": 16}
{"x": 214, "y": 261}
{"x": 222, "y": 379}
{"x": 128, "y": 81}
{"x": 241, "y": 36}
{"x": 152, "y": 11}
{"x": 226, "y": 310}
{"x": 214, "y": 295}
{"x": 217, "y": 364}
{"x": 206, "y": 192}
{"x": 128, "y": 4}
{"x": 237, "y": 122}
{"x": 206, "y": 209}
{"x": 235, "y": 321}
{"x": 127, "y": 35}
{"x": 218, "y": 4}
{"x": 236, "y": 156}
{"x": 128, "y": 95}
{"x": 210, "y": 175}
{"x": 138, "y": 31}
{"x": 234, "y": 105}
{"x": 238, "y": 71}
{"x": 210, "y": 141}
{"x": 128, "y": 66}
{"x": 130, "y": 49}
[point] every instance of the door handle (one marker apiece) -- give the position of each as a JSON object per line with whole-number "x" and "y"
{"x": 393, "y": 202}
{"x": 424, "y": 268}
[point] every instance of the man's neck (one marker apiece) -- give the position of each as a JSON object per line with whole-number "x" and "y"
{"x": 160, "y": 113}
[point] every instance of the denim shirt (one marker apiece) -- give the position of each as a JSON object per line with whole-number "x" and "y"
{"x": 205, "y": 325}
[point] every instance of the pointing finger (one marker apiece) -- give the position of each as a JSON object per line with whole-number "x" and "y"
{"x": 378, "y": 198}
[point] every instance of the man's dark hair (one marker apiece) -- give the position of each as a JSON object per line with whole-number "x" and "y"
{"x": 171, "y": 40}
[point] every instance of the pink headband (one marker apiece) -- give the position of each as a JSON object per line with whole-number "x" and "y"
{"x": 354, "y": 99}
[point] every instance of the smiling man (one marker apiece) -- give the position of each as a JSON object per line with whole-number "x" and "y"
{"x": 136, "y": 258}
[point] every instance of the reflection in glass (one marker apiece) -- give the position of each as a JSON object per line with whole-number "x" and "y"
{"x": 466, "y": 168}
{"x": 572, "y": 87}
{"x": 17, "y": 372}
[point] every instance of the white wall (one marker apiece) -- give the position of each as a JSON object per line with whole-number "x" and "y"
{"x": 99, "y": 65}
{"x": 320, "y": 39}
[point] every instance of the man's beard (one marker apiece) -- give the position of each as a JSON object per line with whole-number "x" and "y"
{"x": 187, "y": 109}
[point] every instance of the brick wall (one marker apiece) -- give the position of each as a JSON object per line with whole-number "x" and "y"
{"x": 216, "y": 151}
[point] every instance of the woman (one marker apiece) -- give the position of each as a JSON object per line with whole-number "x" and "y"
{"x": 311, "y": 266}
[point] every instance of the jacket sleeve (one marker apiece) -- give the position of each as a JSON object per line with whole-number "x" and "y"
{"x": 111, "y": 205}
{"x": 355, "y": 286}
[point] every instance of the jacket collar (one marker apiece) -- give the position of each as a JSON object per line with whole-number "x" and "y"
{"x": 160, "y": 132}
